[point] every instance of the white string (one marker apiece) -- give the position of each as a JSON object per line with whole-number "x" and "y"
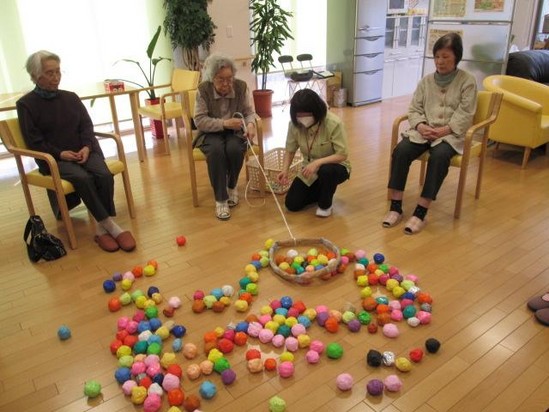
{"x": 249, "y": 143}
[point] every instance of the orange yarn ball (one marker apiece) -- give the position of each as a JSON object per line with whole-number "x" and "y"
{"x": 208, "y": 346}
{"x": 279, "y": 259}
{"x": 372, "y": 267}
{"x": 252, "y": 318}
{"x": 256, "y": 256}
{"x": 210, "y": 336}
{"x": 198, "y": 306}
{"x": 247, "y": 297}
{"x": 153, "y": 263}
{"x": 382, "y": 308}
{"x": 191, "y": 403}
{"x": 330, "y": 255}
{"x": 424, "y": 297}
{"x": 359, "y": 272}
{"x": 341, "y": 268}
{"x": 331, "y": 325}
{"x": 270, "y": 364}
{"x": 383, "y": 318}
{"x": 176, "y": 397}
{"x": 218, "y": 307}
{"x": 369, "y": 303}
{"x": 240, "y": 338}
{"x": 373, "y": 279}
{"x": 137, "y": 271}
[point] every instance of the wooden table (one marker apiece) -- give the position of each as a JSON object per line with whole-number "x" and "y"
{"x": 97, "y": 91}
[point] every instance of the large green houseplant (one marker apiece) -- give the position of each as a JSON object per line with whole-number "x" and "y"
{"x": 189, "y": 26}
{"x": 270, "y": 29}
{"x": 148, "y": 75}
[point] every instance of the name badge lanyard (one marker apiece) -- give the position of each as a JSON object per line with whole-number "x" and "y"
{"x": 310, "y": 146}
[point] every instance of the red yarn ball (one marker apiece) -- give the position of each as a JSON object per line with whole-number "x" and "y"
{"x": 240, "y": 338}
{"x": 175, "y": 369}
{"x": 225, "y": 345}
{"x": 253, "y": 354}
{"x": 416, "y": 355}
{"x": 331, "y": 325}
{"x": 176, "y": 397}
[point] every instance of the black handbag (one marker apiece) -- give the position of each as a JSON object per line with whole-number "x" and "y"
{"x": 40, "y": 243}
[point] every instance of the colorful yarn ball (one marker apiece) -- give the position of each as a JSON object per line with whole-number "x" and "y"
{"x": 391, "y": 330}
{"x": 228, "y": 376}
{"x": 372, "y": 327}
{"x": 317, "y": 346}
{"x": 291, "y": 344}
{"x": 374, "y": 358}
{"x": 312, "y": 356}
{"x": 403, "y": 364}
{"x": 109, "y": 286}
{"x": 334, "y": 350}
{"x": 278, "y": 341}
{"x": 298, "y": 329}
{"x": 388, "y": 358}
{"x": 392, "y": 383}
{"x": 424, "y": 317}
{"x": 206, "y": 366}
{"x": 128, "y": 386}
{"x": 175, "y": 397}
{"x": 432, "y": 345}
{"x": 416, "y": 355}
{"x": 277, "y": 404}
{"x": 190, "y": 350}
{"x": 354, "y": 325}
{"x": 64, "y": 332}
{"x": 255, "y": 365}
{"x": 332, "y": 324}
{"x": 170, "y": 382}
{"x": 374, "y": 387}
{"x": 92, "y": 389}
{"x": 344, "y": 382}
{"x": 139, "y": 394}
{"x": 193, "y": 371}
{"x": 122, "y": 375}
{"x": 286, "y": 369}
{"x": 191, "y": 403}
{"x": 207, "y": 390}
{"x": 221, "y": 364}
{"x": 270, "y": 364}
{"x": 153, "y": 403}
{"x": 413, "y": 321}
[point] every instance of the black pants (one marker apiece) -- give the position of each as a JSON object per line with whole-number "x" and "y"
{"x": 93, "y": 182}
{"x": 225, "y": 156}
{"x": 321, "y": 191}
{"x": 406, "y": 152}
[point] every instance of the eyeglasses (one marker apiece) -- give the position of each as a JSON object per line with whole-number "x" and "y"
{"x": 224, "y": 80}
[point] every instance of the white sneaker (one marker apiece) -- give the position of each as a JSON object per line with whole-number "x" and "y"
{"x": 222, "y": 210}
{"x": 324, "y": 212}
{"x": 233, "y": 197}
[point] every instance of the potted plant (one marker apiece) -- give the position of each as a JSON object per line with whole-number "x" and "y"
{"x": 270, "y": 30}
{"x": 149, "y": 75}
{"x": 189, "y": 26}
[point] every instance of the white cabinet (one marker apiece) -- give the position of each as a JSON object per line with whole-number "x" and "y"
{"x": 403, "y": 57}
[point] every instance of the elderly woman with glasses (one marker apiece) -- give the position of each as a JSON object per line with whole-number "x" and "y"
{"x": 225, "y": 119}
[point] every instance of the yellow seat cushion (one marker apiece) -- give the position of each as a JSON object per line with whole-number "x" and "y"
{"x": 172, "y": 109}
{"x": 456, "y": 160}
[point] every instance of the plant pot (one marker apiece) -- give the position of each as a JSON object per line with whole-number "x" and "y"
{"x": 263, "y": 100}
{"x": 156, "y": 125}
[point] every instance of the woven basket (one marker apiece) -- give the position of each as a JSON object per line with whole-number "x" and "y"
{"x": 273, "y": 162}
{"x": 306, "y": 277}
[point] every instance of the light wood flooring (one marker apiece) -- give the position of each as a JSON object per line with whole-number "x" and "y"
{"x": 480, "y": 270}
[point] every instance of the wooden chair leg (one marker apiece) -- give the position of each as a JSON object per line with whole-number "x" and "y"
{"x": 166, "y": 137}
{"x": 527, "y": 151}
{"x": 67, "y": 221}
{"x": 461, "y": 187}
{"x": 128, "y": 192}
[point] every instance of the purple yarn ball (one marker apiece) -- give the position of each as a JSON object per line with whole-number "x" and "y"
{"x": 321, "y": 318}
{"x": 375, "y": 387}
{"x": 228, "y": 376}
{"x": 354, "y": 325}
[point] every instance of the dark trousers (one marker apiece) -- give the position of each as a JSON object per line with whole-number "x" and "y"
{"x": 406, "y": 152}
{"x": 225, "y": 156}
{"x": 93, "y": 182}
{"x": 321, "y": 191}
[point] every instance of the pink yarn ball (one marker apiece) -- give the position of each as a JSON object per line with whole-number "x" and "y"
{"x": 152, "y": 360}
{"x": 321, "y": 308}
{"x": 127, "y": 387}
{"x": 359, "y": 254}
{"x": 406, "y": 302}
{"x": 298, "y": 329}
{"x": 266, "y": 335}
{"x": 123, "y": 323}
{"x": 293, "y": 312}
{"x": 344, "y": 382}
{"x": 312, "y": 356}
{"x": 390, "y": 330}
{"x": 128, "y": 275}
{"x": 286, "y": 369}
{"x": 170, "y": 381}
{"x": 263, "y": 319}
{"x": 344, "y": 260}
{"x": 198, "y": 295}
{"x": 154, "y": 369}
{"x": 278, "y": 341}
{"x": 131, "y": 328}
{"x": 393, "y": 271}
{"x": 174, "y": 302}
{"x": 152, "y": 403}
{"x": 383, "y": 279}
{"x": 317, "y": 346}
{"x": 395, "y": 305}
{"x": 413, "y": 278}
{"x": 397, "y": 315}
{"x": 424, "y": 317}
{"x": 139, "y": 315}
{"x": 292, "y": 344}
{"x": 138, "y": 367}
{"x": 392, "y": 383}
{"x": 275, "y": 304}
{"x": 254, "y": 328}
{"x": 229, "y": 334}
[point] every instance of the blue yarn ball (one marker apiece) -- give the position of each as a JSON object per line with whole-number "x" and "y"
{"x": 152, "y": 290}
{"x": 286, "y": 302}
{"x": 207, "y": 390}
{"x": 158, "y": 378}
{"x": 178, "y": 331}
{"x": 304, "y": 320}
{"x": 64, "y": 332}
{"x": 217, "y": 292}
{"x": 109, "y": 286}
{"x": 143, "y": 326}
{"x": 241, "y": 327}
{"x": 408, "y": 295}
{"x": 154, "y": 339}
{"x": 257, "y": 264}
{"x": 122, "y": 375}
{"x": 379, "y": 258}
{"x": 281, "y": 311}
{"x": 154, "y": 323}
{"x": 177, "y": 345}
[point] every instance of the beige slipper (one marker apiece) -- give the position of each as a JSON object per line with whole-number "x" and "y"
{"x": 391, "y": 219}
{"x": 414, "y": 225}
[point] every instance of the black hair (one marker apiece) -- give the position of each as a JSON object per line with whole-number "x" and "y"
{"x": 307, "y": 100}
{"x": 451, "y": 41}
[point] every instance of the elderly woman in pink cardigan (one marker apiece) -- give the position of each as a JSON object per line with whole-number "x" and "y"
{"x": 440, "y": 113}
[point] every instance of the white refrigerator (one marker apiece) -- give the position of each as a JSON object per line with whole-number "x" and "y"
{"x": 355, "y": 46}
{"x": 485, "y": 28}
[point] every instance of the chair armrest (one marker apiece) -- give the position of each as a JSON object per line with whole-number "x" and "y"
{"x": 396, "y": 129}
{"x": 522, "y": 102}
{"x": 118, "y": 141}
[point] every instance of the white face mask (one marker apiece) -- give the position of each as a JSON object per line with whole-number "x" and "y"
{"x": 306, "y": 121}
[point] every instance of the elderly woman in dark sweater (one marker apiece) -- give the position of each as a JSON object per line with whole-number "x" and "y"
{"x": 57, "y": 122}
{"x": 225, "y": 118}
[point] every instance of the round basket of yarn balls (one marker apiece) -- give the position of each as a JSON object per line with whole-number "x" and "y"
{"x": 320, "y": 262}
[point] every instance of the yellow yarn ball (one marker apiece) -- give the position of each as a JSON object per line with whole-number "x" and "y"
{"x": 269, "y": 243}
{"x": 304, "y": 341}
{"x": 398, "y": 291}
{"x": 286, "y": 356}
{"x": 168, "y": 358}
{"x": 149, "y": 270}
{"x": 140, "y": 302}
{"x": 225, "y": 300}
{"x": 214, "y": 355}
{"x": 280, "y": 319}
{"x": 241, "y": 305}
{"x": 123, "y": 350}
{"x": 310, "y": 313}
{"x": 163, "y": 332}
{"x": 391, "y": 284}
{"x": 362, "y": 280}
{"x": 266, "y": 310}
{"x": 403, "y": 364}
{"x": 126, "y": 284}
{"x": 290, "y": 321}
{"x": 139, "y": 393}
{"x": 366, "y": 292}
{"x": 253, "y": 276}
{"x": 272, "y": 326}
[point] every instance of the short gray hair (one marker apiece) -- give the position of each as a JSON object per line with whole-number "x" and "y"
{"x": 214, "y": 63}
{"x": 34, "y": 63}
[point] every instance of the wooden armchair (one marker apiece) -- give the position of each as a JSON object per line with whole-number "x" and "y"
{"x": 488, "y": 104}
{"x": 195, "y": 154}
{"x": 11, "y": 136}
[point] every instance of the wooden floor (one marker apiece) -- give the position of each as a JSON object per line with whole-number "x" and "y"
{"x": 480, "y": 270}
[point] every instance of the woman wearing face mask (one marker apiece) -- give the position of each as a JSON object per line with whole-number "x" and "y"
{"x": 321, "y": 138}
